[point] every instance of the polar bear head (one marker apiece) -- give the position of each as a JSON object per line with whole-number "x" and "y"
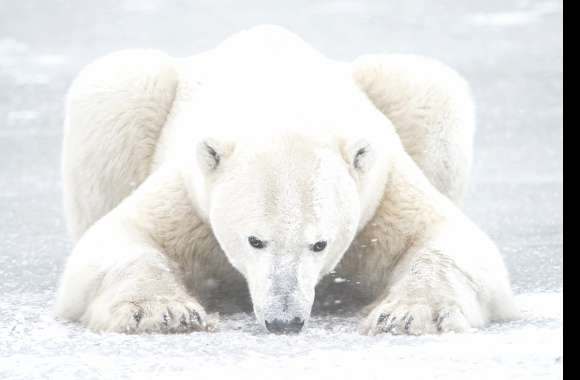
{"x": 284, "y": 213}
{"x": 288, "y": 176}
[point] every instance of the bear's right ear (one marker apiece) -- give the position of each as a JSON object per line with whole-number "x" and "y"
{"x": 210, "y": 154}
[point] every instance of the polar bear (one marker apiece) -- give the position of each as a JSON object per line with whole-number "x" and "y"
{"x": 261, "y": 166}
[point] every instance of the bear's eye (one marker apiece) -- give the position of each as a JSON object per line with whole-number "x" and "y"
{"x": 319, "y": 247}
{"x": 256, "y": 243}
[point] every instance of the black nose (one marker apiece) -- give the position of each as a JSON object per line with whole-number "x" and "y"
{"x": 285, "y": 327}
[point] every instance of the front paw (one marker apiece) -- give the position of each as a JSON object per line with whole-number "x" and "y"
{"x": 163, "y": 315}
{"x": 414, "y": 318}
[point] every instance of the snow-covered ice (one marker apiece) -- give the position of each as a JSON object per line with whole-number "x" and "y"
{"x": 512, "y": 53}
{"x": 330, "y": 349}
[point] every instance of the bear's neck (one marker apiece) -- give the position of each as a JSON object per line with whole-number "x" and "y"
{"x": 409, "y": 207}
{"x": 163, "y": 209}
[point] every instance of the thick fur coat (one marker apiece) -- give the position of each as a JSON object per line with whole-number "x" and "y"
{"x": 262, "y": 166}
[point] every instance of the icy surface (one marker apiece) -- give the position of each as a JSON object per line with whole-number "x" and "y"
{"x": 511, "y": 51}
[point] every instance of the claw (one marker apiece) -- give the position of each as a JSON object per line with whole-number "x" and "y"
{"x": 440, "y": 319}
{"x": 408, "y": 323}
{"x": 165, "y": 320}
{"x": 390, "y": 324}
{"x": 194, "y": 318}
{"x": 383, "y": 317}
{"x": 138, "y": 316}
{"x": 183, "y": 322}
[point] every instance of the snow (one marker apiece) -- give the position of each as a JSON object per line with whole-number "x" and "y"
{"x": 512, "y": 53}
{"x": 330, "y": 348}
{"x": 517, "y": 18}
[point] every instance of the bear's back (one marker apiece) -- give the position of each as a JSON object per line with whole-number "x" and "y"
{"x": 263, "y": 83}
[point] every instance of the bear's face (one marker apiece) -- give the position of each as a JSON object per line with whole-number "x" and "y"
{"x": 284, "y": 217}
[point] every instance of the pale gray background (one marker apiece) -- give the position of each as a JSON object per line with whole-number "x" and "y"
{"x": 511, "y": 51}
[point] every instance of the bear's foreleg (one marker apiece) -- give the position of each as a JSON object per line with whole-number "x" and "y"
{"x": 428, "y": 294}
{"x": 118, "y": 281}
{"x": 453, "y": 282}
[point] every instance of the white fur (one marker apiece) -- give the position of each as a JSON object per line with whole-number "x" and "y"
{"x": 171, "y": 165}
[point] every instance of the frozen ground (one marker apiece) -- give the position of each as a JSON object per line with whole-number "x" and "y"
{"x": 512, "y": 53}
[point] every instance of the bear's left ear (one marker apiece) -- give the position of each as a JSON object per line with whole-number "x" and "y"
{"x": 211, "y": 153}
{"x": 360, "y": 156}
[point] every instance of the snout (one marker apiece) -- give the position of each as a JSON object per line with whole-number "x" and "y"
{"x": 282, "y": 295}
{"x": 279, "y": 327}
